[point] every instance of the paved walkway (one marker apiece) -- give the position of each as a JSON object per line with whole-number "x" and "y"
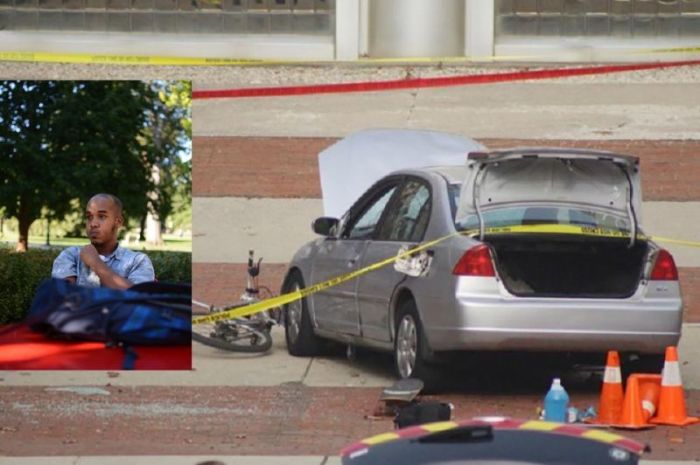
{"x": 288, "y": 419}
{"x": 218, "y": 368}
{"x": 558, "y": 109}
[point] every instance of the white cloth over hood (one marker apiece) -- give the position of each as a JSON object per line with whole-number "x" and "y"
{"x": 350, "y": 166}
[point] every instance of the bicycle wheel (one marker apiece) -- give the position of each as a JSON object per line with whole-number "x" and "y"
{"x": 233, "y": 335}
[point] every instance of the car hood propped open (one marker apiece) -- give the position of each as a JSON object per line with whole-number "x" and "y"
{"x": 350, "y": 166}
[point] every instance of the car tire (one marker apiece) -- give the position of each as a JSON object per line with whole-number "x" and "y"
{"x": 298, "y": 330}
{"x": 410, "y": 348}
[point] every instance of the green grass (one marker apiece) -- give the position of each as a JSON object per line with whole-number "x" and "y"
{"x": 172, "y": 243}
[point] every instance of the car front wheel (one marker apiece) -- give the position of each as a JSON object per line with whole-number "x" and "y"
{"x": 298, "y": 330}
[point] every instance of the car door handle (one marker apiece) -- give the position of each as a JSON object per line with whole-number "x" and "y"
{"x": 353, "y": 260}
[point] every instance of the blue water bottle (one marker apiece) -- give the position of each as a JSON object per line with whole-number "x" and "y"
{"x": 556, "y": 402}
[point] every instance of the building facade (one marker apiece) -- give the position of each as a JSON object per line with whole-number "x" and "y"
{"x": 349, "y": 30}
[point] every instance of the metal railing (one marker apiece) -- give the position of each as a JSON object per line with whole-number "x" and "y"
{"x": 598, "y": 18}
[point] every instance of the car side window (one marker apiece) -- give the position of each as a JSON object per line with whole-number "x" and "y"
{"x": 408, "y": 218}
{"x": 363, "y": 227}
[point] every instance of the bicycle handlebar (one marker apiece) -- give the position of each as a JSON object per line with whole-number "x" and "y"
{"x": 253, "y": 268}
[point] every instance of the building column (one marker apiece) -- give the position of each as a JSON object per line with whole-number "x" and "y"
{"x": 479, "y": 30}
{"x": 347, "y": 30}
{"x": 416, "y": 28}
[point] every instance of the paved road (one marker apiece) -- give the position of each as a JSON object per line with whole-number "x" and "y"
{"x": 564, "y": 109}
{"x": 217, "y": 368}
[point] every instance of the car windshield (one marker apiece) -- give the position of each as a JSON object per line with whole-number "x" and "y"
{"x": 535, "y": 214}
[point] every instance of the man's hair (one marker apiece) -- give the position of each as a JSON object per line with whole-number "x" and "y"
{"x": 113, "y": 198}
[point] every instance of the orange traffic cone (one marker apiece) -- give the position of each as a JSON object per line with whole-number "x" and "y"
{"x": 649, "y": 390}
{"x": 672, "y": 398}
{"x": 612, "y": 395}
{"x": 633, "y": 415}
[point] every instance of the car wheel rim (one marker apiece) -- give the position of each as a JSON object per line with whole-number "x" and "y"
{"x": 406, "y": 346}
{"x": 294, "y": 317}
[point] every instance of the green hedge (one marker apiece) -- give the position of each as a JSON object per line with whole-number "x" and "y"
{"x": 21, "y": 273}
{"x": 174, "y": 267}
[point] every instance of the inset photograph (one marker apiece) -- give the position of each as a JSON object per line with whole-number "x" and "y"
{"x": 95, "y": 225}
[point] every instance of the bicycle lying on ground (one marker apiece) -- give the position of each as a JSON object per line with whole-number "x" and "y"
{"x": 249, "y": 334}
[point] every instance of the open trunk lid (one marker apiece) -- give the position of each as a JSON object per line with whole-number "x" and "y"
{"x": 534, "y": 186}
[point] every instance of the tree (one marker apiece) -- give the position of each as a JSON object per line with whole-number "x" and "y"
{"x": 167, "y": 136}
{"x": 62, "y": 140}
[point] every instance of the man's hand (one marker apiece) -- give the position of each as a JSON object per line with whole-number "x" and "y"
{"x": 89, "y": 256}
{"x": 108, "y": 278}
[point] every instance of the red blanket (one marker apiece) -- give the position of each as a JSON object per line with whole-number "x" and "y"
{"x": 23, "y": 349}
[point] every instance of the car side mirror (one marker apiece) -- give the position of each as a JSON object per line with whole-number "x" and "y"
{"x": 325, "y": 226}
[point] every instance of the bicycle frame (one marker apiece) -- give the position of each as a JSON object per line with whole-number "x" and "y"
{"x": 226, "y": 333}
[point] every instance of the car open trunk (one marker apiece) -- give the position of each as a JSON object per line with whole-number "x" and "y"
{"x": 573, "y": 266}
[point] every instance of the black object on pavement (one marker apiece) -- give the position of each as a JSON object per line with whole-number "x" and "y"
{"x": 419, "y": 413}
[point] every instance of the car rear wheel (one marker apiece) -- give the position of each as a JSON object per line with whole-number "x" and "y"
{"x": 410, "y": 347}
{"x": 298, "y": 330}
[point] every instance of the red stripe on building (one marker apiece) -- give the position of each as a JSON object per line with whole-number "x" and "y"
{"x": 489, "y": 78}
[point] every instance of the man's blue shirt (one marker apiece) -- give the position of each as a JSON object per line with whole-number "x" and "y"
{"x": 134, "y": 266}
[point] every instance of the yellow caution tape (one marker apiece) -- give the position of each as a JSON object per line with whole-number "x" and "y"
{"x": 674, "y": 241}
{"x": 78, "y": 58}
{"x": 668, "y": 50}
{"x": 579, "y": 231}
{"x": 284, "y": 299}
{"x": 555, "y": 229}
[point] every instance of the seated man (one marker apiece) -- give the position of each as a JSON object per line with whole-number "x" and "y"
{"x": 103, "y": 262}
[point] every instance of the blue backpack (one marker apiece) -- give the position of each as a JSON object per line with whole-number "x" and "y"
{"x": 146, "y": 314}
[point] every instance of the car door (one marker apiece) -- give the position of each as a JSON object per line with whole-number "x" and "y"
{"x": 335, "y": 309}
{"x": 405, "y": 223}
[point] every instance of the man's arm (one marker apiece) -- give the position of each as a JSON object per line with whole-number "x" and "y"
{"x": 108, "y": 278}
{"x": 65, "y": 266}
{"x": 142, "y": 271}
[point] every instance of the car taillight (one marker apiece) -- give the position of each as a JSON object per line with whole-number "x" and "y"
{"x": 664, "y": 267}
{"x": 475, "y": 262}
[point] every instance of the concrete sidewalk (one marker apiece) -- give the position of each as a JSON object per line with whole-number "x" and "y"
{"x": 561, "y": 109}
{"x": 219, "y": 368}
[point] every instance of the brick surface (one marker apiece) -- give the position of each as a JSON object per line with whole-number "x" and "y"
{"x": 690, "y": 288}
{"x": 290, "y": 419}
{"x": 223, "y": 283}
{"x": 282, "y": 167}
{"x": 257, "y": 167}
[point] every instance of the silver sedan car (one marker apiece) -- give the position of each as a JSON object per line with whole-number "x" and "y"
{"x": 553, "y": 259}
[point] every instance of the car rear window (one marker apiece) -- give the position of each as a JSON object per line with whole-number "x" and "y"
{"x": 531, "y": 214}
